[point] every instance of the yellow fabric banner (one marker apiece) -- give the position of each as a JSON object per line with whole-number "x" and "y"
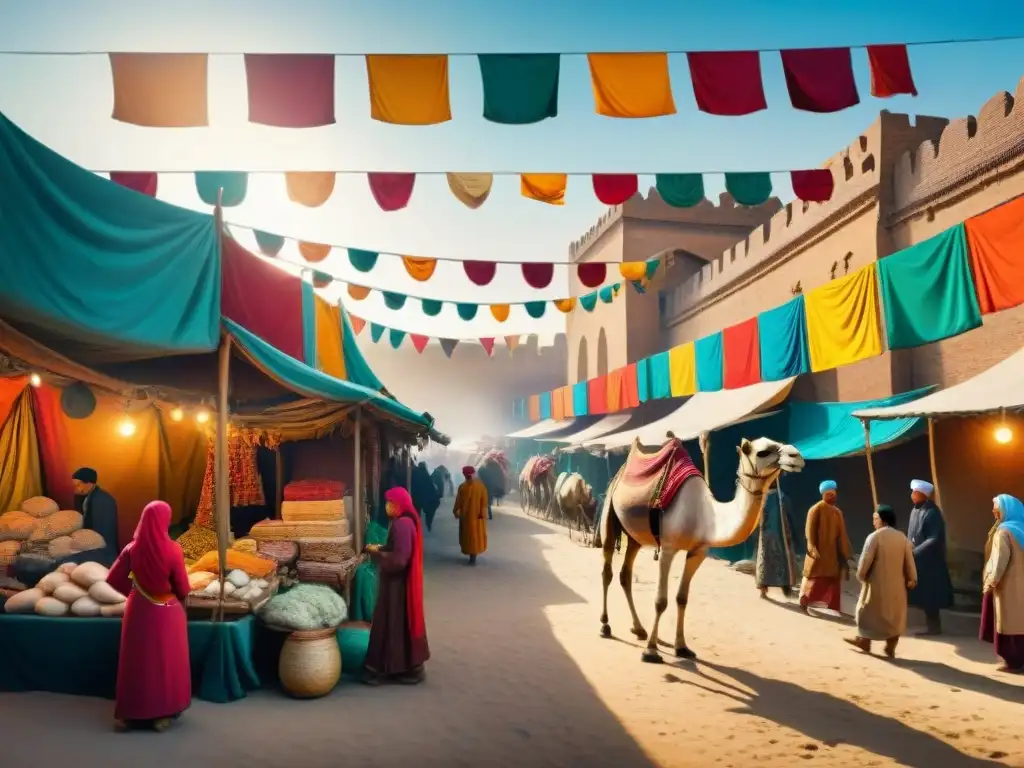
{"x": 471, "y": 189}
{"x": 160, "y": 90}
{"x": 682, "y": 369}
{"x": 419, "y": 269}
{"x": 409, "y": 89}
{"x": 20, "y": 476}
{"x": 310, "y": 188}
{"x": 631, "y": 84}
{"x": 544, "y": 187}
{"x": 330, "y": 353}
{"x": 842, "y": 320}
{"x": 566, "y": 305}
{"x": 633, "y": 270}
{"x": 500, "y": 312}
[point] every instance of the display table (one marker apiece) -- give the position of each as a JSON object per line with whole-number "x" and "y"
{"x": 78, "y": 656}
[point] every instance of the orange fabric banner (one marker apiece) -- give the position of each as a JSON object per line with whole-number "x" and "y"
{"x": 409, "y": 89}
{"x": 544, "y": 187}
{"x": 630, "y": 397}
{"x": 566, "y": 305}
{"x": 314, "y": 252}
{"x": 557, "y": 405}
{"x": 358, "y": 292}
{"x": 419, "y": 269}
{"x": 631, "y": 84}
{"x": 512, "y": 342}
{"x": 310, "y": 188}
{"x": 614, "y": 401}
{"x": 533, "y": 407}
{"x": 160, "y": 90}
{"x": 500, "y": 312}
{"x": 995, "y": 241}
{"x": 9, "y": 391}
{"x": 330, "y": 353}
{"x": 567, "y": 407}
{"x": 633, "y": 270}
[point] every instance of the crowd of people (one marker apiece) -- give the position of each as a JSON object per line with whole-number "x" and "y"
{"x": 895, "y": 570}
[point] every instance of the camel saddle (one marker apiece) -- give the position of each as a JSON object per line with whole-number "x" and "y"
{"x": 540, "y": 468}
{"x": 647, "y": 484}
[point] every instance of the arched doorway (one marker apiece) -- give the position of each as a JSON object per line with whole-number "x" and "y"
{"x": 582, "y": 363}
{"x": 602, "y": 353}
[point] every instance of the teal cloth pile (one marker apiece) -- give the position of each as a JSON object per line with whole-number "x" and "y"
{"x": 364, "y": 581}
{"x": 352, "y": 642}
{"x": 78, "y": 656}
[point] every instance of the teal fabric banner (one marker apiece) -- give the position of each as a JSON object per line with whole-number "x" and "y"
{"x": 708, "y": 352}
{"x": 308, "y": 322}
{"x": 234, "y": 183}
{"x": 928, "y": 291}
{"x": 98, "y": 265}
{"x": 680, "y": 190}
{"x": 643, "y": 379}
{"x": 782, "y": 334}
{"x": 830, "y": 431}
{"x": 357, "y": 369}
{"x": 310, "y": 382}
{"x": 520, "y": 88}
{"x": 749, "y": 188}
{"x": 545, "y": 405}
{"x": 579, "y": 399}
{"x": 661, "y": 385}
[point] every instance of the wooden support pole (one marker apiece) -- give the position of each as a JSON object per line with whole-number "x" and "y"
{"x": 705, "y": 448}
{"x": 222, "y": 493}
{"x": 358, "y": 507}
{"x": 871, "y": 464}
{"x": 278, "y": 482}
{"x": 934, "y": 464}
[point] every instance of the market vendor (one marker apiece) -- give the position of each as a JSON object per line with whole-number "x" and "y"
{"x": 98, "y": 509}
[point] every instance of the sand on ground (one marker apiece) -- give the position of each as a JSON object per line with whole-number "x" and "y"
{"x": 519, "y": 676}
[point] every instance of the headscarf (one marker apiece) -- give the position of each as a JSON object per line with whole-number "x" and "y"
{"x": 152, "y": 551}
{"x": 827, "y": 485}
{"x": 887, "y": 514}
{"x": 468, "y": 471}
{"x": 85, "y": 475}
{"x": 1013, "y": 515}
{"x": 414, "y": 614}
{"x": 922, "y": 486}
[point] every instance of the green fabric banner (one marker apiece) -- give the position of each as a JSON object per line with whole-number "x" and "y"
{"x": 99, "y": 266}
{"x": 928, "y": 291}
{"x": 749, "y": 188}
{"x": 680, "y": 190}
{"x": 520, "y": 88}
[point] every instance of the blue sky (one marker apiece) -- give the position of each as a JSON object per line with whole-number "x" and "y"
{"x": 65, "y": 102}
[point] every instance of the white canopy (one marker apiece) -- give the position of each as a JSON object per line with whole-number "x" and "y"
{"x": 704, "y": 412}
{"x": 998, "y": 389}
{"x": 602, "y": 426}
{"x": 542, "y": 428}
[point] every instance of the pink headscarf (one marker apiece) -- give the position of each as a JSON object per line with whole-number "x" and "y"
{"x": 153, "y": 552}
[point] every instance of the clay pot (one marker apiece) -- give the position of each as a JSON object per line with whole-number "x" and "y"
{"x": 310, "y": 663}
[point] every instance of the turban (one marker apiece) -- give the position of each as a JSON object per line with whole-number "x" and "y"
{"x": 468, "y": 471}
{"x": 827, "y": 485}
{"x": 85, "y": 475}
{"x": 922, "y": 486}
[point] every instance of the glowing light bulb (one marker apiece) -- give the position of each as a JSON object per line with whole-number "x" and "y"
{"x": 127, "y": 427}
{"x": 35, "y": 380}
{"x": 202, "y": 415}
{"x": 1003, "y": 435}
{"x": 177, "y": 414}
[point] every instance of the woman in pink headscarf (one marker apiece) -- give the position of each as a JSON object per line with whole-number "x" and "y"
{"x": 154, "y": 679}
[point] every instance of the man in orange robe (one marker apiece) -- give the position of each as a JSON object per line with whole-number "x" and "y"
{"x": 471, "y": 511}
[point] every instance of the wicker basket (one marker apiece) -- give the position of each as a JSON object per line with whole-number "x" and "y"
{"x": 310, "y": 663}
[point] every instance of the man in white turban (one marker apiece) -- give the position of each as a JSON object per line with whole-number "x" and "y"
{"x": 927, "y": 534}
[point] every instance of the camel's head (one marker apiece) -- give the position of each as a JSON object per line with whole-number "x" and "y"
{"x": 767, "y": 457}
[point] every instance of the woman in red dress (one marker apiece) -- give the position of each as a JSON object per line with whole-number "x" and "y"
{"x": 154, "y": 679}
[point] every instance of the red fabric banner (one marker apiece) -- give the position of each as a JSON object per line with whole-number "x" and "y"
{"x": 419, "y": 342}
{"x": 145, "y": 182}
{"x": 630, "y": 397}
{"x": 727, "y": 82}
{"x": 741, "y": 351}
{"x": 597, "y": 395}
{"x": 53, "y": 446}
{"x": 294, "y": 90}
{"x": 488, "y": 345}
{"x": 995, "y": 242}
{"x": 480, "y": 272}
{"x": 615, "y": 188}
{"x": 820, "y": 79}
{"x": 890, "y": 71}
{"x": 592, "y": 274}
{"x": 538, "y": 275}
{"x": 813, "y": 186}
{"x": 391, "y": 190}
{"x": 357, "y": 324}
{"x": 261, "y": 298}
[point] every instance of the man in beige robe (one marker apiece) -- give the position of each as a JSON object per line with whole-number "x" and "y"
{"x": 828, "y": 552}
{"x": 886, "y": 572}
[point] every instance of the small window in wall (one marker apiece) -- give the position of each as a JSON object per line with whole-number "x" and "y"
{"x": 582, "y": 369}
{"x": 602, "y": 353}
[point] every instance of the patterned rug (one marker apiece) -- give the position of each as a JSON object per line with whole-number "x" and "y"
{"x": 541, "y": 467}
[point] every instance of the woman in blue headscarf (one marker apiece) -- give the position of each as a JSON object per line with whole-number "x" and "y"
{"x": 1002, "y": 611}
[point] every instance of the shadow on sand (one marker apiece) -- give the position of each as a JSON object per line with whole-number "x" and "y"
{"x": 823, "y": 717}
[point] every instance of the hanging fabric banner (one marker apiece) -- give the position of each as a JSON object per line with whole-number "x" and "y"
{"x": 660, "y": 371}
{"x": 470, "y": 189}
{"x": 927, "y": 291}
{"x": 567, "y": 405}
{"x": 310, "y": 188}
{"x": 727, "y": 82}
{"x": 520, "y": 88}
{"x": 392, "y": 191}
{"x": 500, "y": 312}
{"x": 376, "y": 332}
{"x": 545, "y": 405}
{"x": 782, "y": 337}
{"x": 633, "y": 270}
{"x": 480, "y": 272}
{"x": 613, "y": 393}
{"x": 580, "y": 400}
{"x": 708, "y": 354}
{"x": 538, "y": 275}
{"x": 597, "y": 395}
{"x": 357, "y": 324}
{"x": 544, "y": 187}
{"x": 814, "y": 186}
{"x": 330, "y": 355}
{"x": 996, "y": 247}
{"x": 294, "y": 90}
{"x": 842, "y": 320}
{"x": 820, "y": 79}
{"x": 419, "y": 269}
{"x": 314, "y": 253}
{"x": 357, "y": 292}
{"x": 615, "y": 188}
{"x": 535, "y": 309}
{"x": 512, "y": 342}
{"x": 144, "y": 183}
{"x": 419, "y": 342}
{"x": 394, "y": 301}
{"x": 467, "y": 311}
{"x": 268, "y": 243}
{"x": 362, "y": 261}
{"x": 409, "y": 89}
{"x": 395, "y": 337}
{"x": 631, "y": 85}
{"x": 592, "y": 273}
{"x": 557, "y": 405}
{"x": 749, "y": 188}
{"x": 160, "y": 90}
{"x": 533, "y": 408}
{"x": 630, "y": 397}
{"x": 741, "y": 353}
{"x": 890, "y": 71}
{"x": 643, "y": 380}
{"x": 431, "y": 307}
{"x": 448, "y": 346}
{"x": 682, "y": 365}
{"x": 680, "y": 190}
{"x": 488, "y": 344}
{"x": 565, "y": 306}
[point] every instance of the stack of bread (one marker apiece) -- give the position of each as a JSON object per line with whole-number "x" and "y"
{"x": 249, "y": 577}
{"x": 79, "y": 590}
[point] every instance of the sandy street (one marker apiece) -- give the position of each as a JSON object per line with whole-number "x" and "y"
{"x": 519, "y": 676}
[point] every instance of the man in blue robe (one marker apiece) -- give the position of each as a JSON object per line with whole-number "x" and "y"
{"x": 927, "y": 534}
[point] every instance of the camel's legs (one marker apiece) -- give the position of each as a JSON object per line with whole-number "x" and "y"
{"x": 608, "y": 552}
{"x": 668, "y": 554}
{"x": 626, "y": 581}
{"x": 693, "y": 562}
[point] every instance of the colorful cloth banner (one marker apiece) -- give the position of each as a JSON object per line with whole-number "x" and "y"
{"x": 419, "y": 342}
{"x": 448, "y": 346}
{"x": 520, "y": 88}
{"x": 567, "y": 403}
{"x": 330, "y": 354}
{"x": 580, "y": 402}
{"x": 500, "y": 312}
{"x": 842, "y": 320}
{"x": 682, "y": 366}
{"x": 727, "y": 82}
{"x": 314, "y": 253}
{"x": 233, "y": 183}
{"x": 419, "y": 269}
{"x": 613, "y": 394}
{"x": 294, "y": 90}
{"x": 749, "y": 188}
{"x": 470, "y": 189}
{"x": 409, "y": 89}
{"x": 557, "y": 405}
{"x": 996, "y": 244}
{"x": 310, "y": 188}
{"x": 927, "y": 291}
{"x": 643, "y": 379}
{"x": 488, "y": 344}
{"x": 545, "y": 405}
{"x": 680, "y": 190}
{"x": 480, "y": 272}
{"x": 782, "y": 337}
{"x": 820, "y": 79}
{"x": 630, "y": 397}
{"x": 533, "y": 408}
{"x": 890, "y": 71}
{"x": 395, "y": 337}
{"x": 631, "y": 85}
{"x": 144, "y": 183}
{"x": 741, "y": 355}
{"x": 597, "y": 395}
{"x": 544, "y": 187}
{"x": 268, "y": 243}
{"x": 708, "y": 355}
{"x": 538, "y": 275}
{"x": 160, "y": 90}
{"x": 615, "y": 188}
{"x": 392, "y": 191}
{"x": 308, "y": 323}
{"x": 659, "y": 370}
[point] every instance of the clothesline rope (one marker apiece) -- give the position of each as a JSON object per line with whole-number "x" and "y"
{"x": 466, "y": 54}
{"x": 352, "y": 172}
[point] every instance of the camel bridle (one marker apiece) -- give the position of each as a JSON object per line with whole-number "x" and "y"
{"x": 753, "y": 474}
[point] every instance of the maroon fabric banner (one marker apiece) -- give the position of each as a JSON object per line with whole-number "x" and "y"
{"x": 820, "y": 79}
{"x": 488, "y": 345}
{"x": 480, "y": 272}
{"x": 538, "y": 275}
{"x": 741, "y": 352}
{"x": 261, "y": 298}
{"x": 727, "y": 82}
{"x": 592, "y": 274}
{"x": 53, "y": 446}
{"x": 294, "y": 90}
{"x": 391, "y": 190}
{"x": 813, "y": 186}
{"x": 615, "y": 188}
{"x": 145, "y": 183}
{"x": 890, "y": 71}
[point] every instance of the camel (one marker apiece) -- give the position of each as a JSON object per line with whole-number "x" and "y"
{"x": 442, "y": 480}
{"x": 537, "y": 484}
{"x": 691, "y": 522}
{"x": 493, "y": 473}
{"x": 574, "y": 501}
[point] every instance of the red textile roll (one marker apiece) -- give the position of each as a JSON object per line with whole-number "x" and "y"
{"x": 727, "y": 82}
{"x": 314, "y": 490}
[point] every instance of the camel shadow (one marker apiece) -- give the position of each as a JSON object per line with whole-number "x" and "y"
{"x": 827, "y": 719}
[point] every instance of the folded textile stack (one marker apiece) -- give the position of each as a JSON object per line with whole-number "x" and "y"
{"x": 282, "y": 530}
{"x": 324, "y": 557}
{"x": 328, "y": 574}
{"x": 283, "y": 552}
{"x": 319, "y": 511}
{"x": 335, "y": 550}
{"x": 314, "y": 490}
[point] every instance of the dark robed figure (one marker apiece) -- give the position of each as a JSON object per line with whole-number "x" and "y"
{"x": 99, "y": 513}
{"x": 927, "y": 534}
